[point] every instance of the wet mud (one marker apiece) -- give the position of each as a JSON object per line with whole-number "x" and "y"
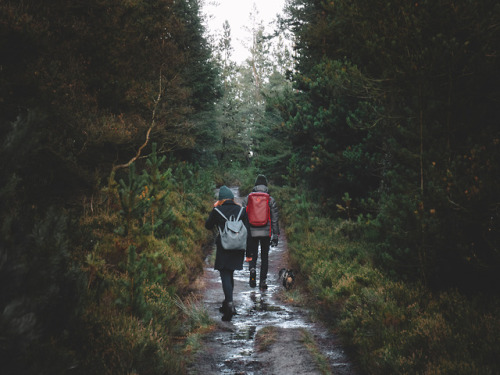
{"x": 231, "y": 347}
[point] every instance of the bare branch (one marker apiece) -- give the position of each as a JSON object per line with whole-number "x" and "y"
{"x": 148, "y": 133}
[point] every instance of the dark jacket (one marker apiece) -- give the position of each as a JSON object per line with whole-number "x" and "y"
{"x": 228, "y": 259}
{"x": 264, "y": 231}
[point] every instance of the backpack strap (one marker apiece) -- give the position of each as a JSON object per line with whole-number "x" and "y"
{"x": 241, "y": 210}
{"x": 219, "y": 211}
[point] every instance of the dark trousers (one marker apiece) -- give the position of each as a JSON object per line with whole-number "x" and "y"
{"x": 253, "y": 246}
{"x": 226, "y": 276}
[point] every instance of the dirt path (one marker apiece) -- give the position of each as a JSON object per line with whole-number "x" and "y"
{"x": 268, "y": 335}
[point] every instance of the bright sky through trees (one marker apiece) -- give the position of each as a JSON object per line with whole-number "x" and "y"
{"x": 237, "y": 13}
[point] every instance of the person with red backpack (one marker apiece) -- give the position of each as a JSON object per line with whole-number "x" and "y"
{"x": 262, "y": 213}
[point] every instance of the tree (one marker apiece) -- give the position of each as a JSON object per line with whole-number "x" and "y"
{"x": 233, "y": 144}
{"x": 82, "y": 85}
{"x": 429, "y": 110}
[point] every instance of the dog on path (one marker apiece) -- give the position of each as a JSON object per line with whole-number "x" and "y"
{"x": 286, "y": 277}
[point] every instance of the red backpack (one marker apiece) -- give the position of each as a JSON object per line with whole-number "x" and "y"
{"x": 258, "y": 210}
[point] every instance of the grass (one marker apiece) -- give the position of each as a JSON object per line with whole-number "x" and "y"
{"x": 320, "y": 360}
{"x": 265, "y": 338}
{"x": 293, "y": 296}
{"x": 197, "y": 316}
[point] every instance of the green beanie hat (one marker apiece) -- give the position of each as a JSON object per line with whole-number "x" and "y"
{"x": 225, "y": 193}
{"x": 261, "y": 180}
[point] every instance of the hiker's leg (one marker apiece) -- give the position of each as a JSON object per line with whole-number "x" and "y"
{"x": 227, "y": 308}
{"x": 265, "y": 243}
{"x": 253, "y": 249}
{"x": 227, "y": 285}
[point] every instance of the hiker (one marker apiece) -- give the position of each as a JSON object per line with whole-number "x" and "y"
{"x": 227, "y": 261}
{"x": 264, "y": 229}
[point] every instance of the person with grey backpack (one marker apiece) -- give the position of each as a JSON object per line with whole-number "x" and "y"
{"x": 231, "y": 222}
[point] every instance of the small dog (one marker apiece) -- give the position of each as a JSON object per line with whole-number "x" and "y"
{"x": 286, "y": 277}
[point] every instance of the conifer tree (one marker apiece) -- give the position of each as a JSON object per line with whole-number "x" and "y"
{"x": 232, "y": 142}
{"x": 425, "y": 114}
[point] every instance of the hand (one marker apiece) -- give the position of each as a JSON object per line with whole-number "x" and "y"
{"x": 248, "y": 259}
{"x": 274, "y": 240}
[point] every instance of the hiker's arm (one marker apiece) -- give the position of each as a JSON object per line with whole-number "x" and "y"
{"x": 275, "y": 226}
{"x": 247, "y": 225}
{"x": 210, "y": 223}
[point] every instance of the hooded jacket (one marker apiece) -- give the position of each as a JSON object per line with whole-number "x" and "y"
{"x": 264, "y": 230}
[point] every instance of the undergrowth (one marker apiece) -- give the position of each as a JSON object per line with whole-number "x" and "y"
{"x": 388, "y": 325}
{"x": 145, "y": 251}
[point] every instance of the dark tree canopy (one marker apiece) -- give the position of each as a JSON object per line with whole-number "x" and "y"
{"x": 82, "y": 84}
{"x": 397, "y": 103}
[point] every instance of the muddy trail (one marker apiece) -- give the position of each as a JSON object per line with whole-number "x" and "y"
{"x": 268, "y": 335}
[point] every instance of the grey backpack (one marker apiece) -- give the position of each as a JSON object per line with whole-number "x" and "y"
{"x": 234, "y": 235}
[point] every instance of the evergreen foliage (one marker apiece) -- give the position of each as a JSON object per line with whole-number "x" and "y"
{"x": 98, "y": 71}
{"x": 41, "y": 286}
{"x": 231, "y": 144}
{"x": 247, "y": 112}
{"x": 389, "y": 118}
{"x": 137, "y": 272}
{"x": 387, "y": 326}
{"x": 396, "y": 104}
{"x": 84, "y": 268}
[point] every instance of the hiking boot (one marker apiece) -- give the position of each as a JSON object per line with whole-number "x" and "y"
{"x": 263, "y": 285}
{"x": 253, "y": 277}
{"x": 223, "y": 307}
{"x": 228, "y": 310}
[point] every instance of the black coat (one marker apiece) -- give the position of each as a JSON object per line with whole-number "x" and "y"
{"x": 228, "y": 259}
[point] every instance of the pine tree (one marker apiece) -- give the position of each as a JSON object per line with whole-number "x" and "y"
{"x": 424, "y": 116}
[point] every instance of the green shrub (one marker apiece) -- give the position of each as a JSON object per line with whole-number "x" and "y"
{"x": 133, "y": 321}
{"x": 389, "y": 326}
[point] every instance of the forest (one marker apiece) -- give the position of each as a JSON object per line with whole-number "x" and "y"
{"x": 379, "y": 130}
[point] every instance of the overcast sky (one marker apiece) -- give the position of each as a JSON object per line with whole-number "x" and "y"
{"x": 237, "y": 13}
